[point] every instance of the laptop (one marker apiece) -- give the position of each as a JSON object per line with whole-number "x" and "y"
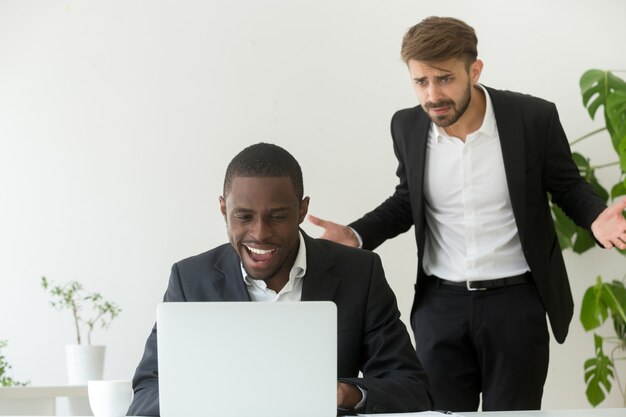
{"x": 238, "y": 359}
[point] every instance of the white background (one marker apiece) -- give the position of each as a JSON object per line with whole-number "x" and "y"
{"x": 118, "y": 118}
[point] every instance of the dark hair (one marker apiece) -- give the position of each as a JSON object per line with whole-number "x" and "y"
{"x": 265, "y": 160}
{"x": 439, "y": 39}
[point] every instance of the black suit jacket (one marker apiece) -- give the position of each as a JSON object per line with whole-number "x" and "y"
{"x": 537, "y": 160}
{"x": 371, "y": 337}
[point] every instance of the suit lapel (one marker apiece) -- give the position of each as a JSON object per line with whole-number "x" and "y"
{"x": 511, "y": 132}
{"x": 319, "y": 284}
{"x": 229, "y": 285}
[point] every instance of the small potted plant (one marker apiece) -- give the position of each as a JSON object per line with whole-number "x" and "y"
{"x": 89, "y": 310}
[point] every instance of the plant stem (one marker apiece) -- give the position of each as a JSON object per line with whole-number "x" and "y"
{"x": 75, "y": 313}
{"x": 616, "y": 376}
{"x": 610, "y": 164}
{"x": 90, "y": 325}
{"x": 618, "y": 307}
{"x": 587, "y": 135}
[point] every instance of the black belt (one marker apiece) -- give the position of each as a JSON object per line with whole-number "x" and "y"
{"x": 485, "y": 284}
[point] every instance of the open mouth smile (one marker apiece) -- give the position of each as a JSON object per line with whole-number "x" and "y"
{"x": 259, "y": 255}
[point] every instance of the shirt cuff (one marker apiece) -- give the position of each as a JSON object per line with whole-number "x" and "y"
{"x": 364, "y": 393}
{"x": 358, "y": 237}
{"x": 360, "y": 403}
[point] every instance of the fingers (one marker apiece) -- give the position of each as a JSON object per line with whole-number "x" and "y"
{"x": 317, "y": 221}
{"x": 620, "y": 241}
{"x": 335, "y": 232}
{"x": 607, "y": 244}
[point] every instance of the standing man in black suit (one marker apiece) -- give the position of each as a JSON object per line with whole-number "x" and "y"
{"x": 270, "y": 259}
{"x": 475, "y": 166}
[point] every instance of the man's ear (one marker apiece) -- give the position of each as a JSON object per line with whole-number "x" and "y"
{"x": 223, "y": 208}
{"x": 304, "y": 209}
{"x": 475, "y": 70}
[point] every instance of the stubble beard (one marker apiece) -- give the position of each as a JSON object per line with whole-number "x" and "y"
{"x": 448, "y": 120}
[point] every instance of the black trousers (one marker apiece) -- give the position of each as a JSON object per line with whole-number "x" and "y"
{"x": 493, "y": 342}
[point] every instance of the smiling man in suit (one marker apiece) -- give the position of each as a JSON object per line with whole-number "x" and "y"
{"x": 475, "y": 167}
{"x": 270, "y": 259}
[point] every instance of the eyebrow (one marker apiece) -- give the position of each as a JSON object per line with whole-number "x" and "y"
{"x": 247, "y": 210}
{"x": 438, "y": 77}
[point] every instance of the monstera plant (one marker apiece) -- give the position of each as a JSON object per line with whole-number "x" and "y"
{"x": 604, "y": 299}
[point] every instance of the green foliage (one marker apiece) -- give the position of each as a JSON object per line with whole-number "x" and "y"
{"x": 598, "y": 89}
{"x": 599, "y": 372}
{"x": 5, "y": 379}
{"x": 605, "y": 89}
{"x": 601, "y": 301}
{"x": 74, "y": 297}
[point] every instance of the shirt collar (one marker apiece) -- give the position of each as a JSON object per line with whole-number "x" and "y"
{"x": 488, "y": 127}
{"x": 298, "y": 270}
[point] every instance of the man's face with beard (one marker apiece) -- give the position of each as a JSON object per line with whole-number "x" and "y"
{"x": 444, "y": 89}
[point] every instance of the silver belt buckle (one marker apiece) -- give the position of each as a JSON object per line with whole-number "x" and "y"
{"x": 470, "y": 288}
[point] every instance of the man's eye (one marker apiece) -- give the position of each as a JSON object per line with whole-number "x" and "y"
{"x": 278, "y": 217}
{"x": 243, "y": 217}
{"x": 446, "y": 80}
{"x": 420, "y": 82}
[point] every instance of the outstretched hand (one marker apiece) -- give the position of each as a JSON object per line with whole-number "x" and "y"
{"x": 609, "y": 228}
{"x": 335, "y": 232}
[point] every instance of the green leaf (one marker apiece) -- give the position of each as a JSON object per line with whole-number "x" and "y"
{"x": 590, "y": 78}
{"x": 618, "y": 190}
{"x": 593, "y": 312}
{"x": 614, "y": 297}
{"x": 599, "y": 372}
{"x": 581, "y": 162}
{"x": 615, "y": 82}
{"x": 593, "y": 87}
{"x": 616, "y": 116}
{"x": 565, "y": 227}
{"x": 621, "y": 150}
{"x": 583, "y": 241}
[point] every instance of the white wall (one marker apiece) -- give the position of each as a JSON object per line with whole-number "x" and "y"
{"x": 118, "y": 118}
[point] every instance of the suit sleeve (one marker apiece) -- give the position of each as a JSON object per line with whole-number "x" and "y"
{"x": 392, "y": 375}
{"x": 393, "y": 216}
{"x": 146, "y": 379}
{"x": 562, "y": 179}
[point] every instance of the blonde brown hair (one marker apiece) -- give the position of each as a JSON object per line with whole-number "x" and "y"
{"x": 439, "y": 39}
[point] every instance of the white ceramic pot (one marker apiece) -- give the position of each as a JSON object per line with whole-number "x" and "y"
{"x": 84, "y": 363}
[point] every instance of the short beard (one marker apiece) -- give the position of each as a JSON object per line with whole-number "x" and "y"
{"x": 445, "y": 121}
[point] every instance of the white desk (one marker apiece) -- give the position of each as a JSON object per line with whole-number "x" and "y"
{"x": 601, "y": 412}
{"x": 598, "y": 412}
{"x": 37, "y": 400}
{"x": 591, "y": 412}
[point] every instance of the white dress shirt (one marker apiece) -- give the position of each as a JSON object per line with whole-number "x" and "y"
{"x": 292, "y": 291}
{"x": 470, "y": 228}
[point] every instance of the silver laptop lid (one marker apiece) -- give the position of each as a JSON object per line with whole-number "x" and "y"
{"x": 247, "y": 359}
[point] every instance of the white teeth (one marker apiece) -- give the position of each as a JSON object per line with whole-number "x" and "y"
{"x": 260, "y": 251}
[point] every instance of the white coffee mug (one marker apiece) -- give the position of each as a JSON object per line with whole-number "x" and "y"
{"x": 109, "y": 398}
